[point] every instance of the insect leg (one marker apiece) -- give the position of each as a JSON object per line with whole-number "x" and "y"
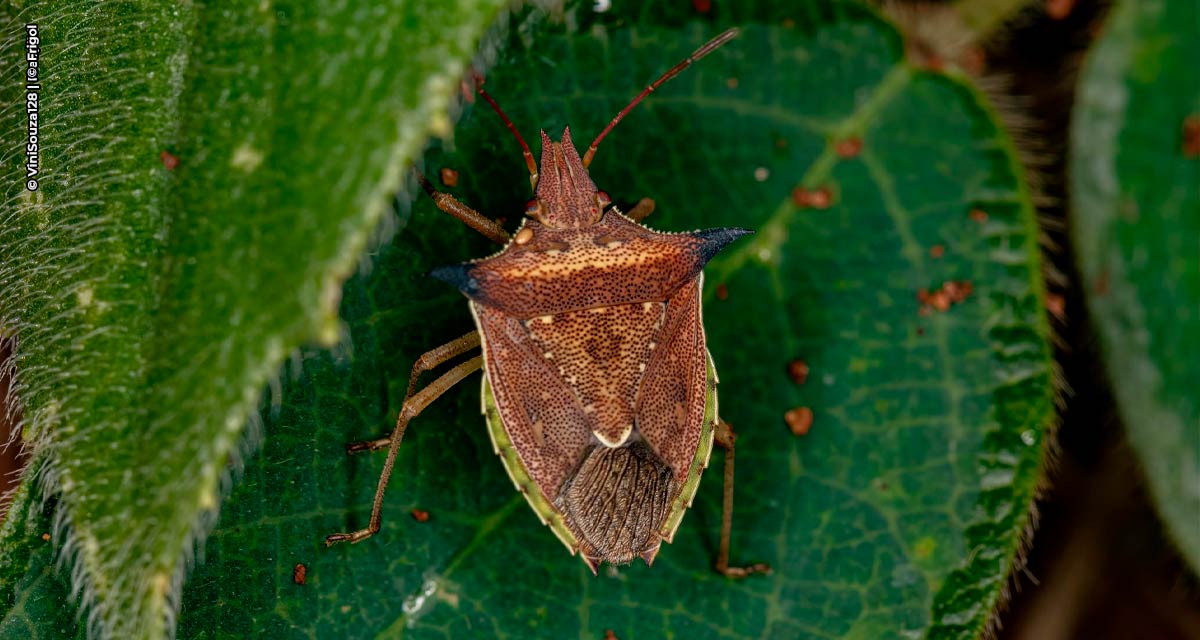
{"x": 469, "y": 216}
{"x": 643, "y": 208}
{"x": 428, "y": 361}
{"x": 411, "y": 409}
{"x": 725, "y": 438}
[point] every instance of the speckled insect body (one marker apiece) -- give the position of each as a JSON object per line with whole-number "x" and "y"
{"x": 599, "y": 391}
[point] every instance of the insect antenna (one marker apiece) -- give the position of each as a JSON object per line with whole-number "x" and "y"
{"x": 533, "y": 172}
{"x": 705, "y": 49}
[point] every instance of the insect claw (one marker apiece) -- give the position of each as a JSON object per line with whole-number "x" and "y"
{"x": 737, "y": 573}
{"x": 649, "y": 554}
{"x": 591, "y": 563}
{"x": 331, "y": 540}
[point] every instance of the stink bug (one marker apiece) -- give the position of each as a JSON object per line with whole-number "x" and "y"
{"x": 598, "y": 390}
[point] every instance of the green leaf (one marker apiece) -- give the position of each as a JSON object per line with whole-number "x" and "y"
{"x": 151, "y": 306}
{"x": 28, "y": 575}
{"x": 899, "y": 514}
{"x": 1135, "y": 192}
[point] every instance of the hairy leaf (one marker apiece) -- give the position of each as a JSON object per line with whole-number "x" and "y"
{"x": 208, "y": 178}
{"x": 1135, "y": 185}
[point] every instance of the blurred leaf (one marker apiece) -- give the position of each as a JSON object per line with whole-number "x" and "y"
{"x": 1136, "y": 206}
{"x": 152, "y": 306}
{"x": 898, "y": 515}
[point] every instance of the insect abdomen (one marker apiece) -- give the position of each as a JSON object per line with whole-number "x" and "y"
{"x": 617, "y": 500}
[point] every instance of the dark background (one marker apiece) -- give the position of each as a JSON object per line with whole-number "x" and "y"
{"x": 1100, "y": 566}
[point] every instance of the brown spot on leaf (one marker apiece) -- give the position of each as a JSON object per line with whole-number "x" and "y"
{"x": 788, "y": 23}
{"x": 722, "y": 292}
{"x": 169, "y": 160}
{"x": 46, "y": 537}
{"x": 300, "y": 574}
{"x": 609, "y": 635}
{"x": 1101, "y": 286}
{"x": 702, "y": 6}
{"x": 812, "y": 199}
{"x": 849, "y": 147}
{"x": 732, "y": 83}
{"x": 937, "y": 251}
{"x": 1191, "y": 136}
{"x": 420, "y": 515}
{"x": 798, "y": 371}
{"x": 821, "y": 198}
{"x": 979, "y": 215}
{"x": 941, "y": 299}
{"x": 799, "y": 420}
{"x": 958, "y": 290}
{"x": 449, "y": 177}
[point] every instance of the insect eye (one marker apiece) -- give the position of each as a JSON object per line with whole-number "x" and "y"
{"x": 532, "y": 207}
{"x": 602, "y": 199}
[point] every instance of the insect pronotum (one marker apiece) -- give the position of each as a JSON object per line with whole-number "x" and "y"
{"x": 598, "y": 390}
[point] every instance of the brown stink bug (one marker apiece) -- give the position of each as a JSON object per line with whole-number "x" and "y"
{"x": 599, "y": 391}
